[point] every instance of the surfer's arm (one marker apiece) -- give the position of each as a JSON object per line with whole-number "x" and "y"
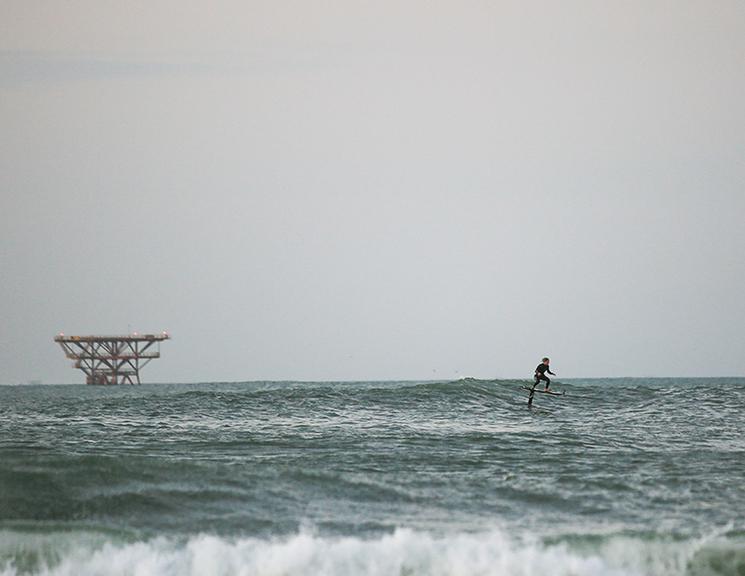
{"x": 549, "y": 371}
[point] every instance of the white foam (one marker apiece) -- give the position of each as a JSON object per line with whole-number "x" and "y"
{"x": 404, "y": 552}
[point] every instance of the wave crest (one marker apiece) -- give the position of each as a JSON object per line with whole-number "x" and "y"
{"x": 404, "y": 552}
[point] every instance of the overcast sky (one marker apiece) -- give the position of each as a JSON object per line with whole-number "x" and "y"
{"x": 375, "y": 190}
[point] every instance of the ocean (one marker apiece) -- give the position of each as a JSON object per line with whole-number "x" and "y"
{"x": 617, "y": 477}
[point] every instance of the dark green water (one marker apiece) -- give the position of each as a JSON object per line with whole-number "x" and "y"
{"x": 630, "y": 476}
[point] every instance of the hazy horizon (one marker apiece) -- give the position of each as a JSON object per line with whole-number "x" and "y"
{"x": 556, "y": 381}
{"x": 375, "y": 191}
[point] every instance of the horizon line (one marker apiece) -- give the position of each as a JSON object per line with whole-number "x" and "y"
{"x": 372, "y": 381}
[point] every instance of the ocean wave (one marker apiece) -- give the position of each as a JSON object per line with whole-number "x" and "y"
{"x": 403, "y": 552}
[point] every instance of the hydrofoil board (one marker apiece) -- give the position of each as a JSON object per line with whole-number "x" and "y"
{"x": 528, "y": 388}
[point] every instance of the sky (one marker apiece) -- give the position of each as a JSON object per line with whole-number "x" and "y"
{"x": 358, "y": 190}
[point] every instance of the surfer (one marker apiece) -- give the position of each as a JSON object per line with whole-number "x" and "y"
{"x": 540, "y": 373}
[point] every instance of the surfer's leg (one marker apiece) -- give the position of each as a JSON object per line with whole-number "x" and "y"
{"x": 548, "y": 381}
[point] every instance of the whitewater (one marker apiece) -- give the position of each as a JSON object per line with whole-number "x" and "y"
{"x": 618, "y": 477}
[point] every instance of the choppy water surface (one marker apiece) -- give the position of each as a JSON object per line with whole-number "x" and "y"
{"x": 617, "y": 477}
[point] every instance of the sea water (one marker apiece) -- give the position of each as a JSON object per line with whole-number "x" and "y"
{"x": 617, "y": 477}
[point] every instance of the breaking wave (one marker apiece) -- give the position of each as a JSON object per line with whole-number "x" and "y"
{"x": 404, "y": 552}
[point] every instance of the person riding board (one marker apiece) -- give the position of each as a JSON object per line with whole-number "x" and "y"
{"x": 540, "y": 373}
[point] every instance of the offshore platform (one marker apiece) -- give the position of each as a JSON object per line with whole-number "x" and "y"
{"x": 110, "y": 360}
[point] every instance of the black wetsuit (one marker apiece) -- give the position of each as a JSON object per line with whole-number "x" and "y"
{"x": 540, "y": 374}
